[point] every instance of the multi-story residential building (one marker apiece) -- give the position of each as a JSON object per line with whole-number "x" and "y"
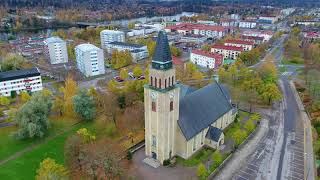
{"x": 248, "y": 24}
{"x": 56, "y": 50}
{"x": 267, "y": 35}
{"x": 206, "y": 59}
{"x": 138, "y": 51}
{"x": 200, "y": 29}
{"x": 108, "y": 36}
{"x": 228, "y": 52}
{"x": 268, "y": 19}
{"x": 90, "y": 59}
{"x": 247, "y": 45}
{"x": 16, "y": 81}
{"x": 256, "y": 39}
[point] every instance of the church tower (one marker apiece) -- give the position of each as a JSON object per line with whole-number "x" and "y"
{"x": 161, "y": 103}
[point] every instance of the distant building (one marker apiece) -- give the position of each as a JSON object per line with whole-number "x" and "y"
{"x": 228, "y": 52}
{"x": 267, "y": 35}
{"x": 268, "y": 19}
{"x": 56, "y": 50}
{"x": 206, "y": 59}
{"x": 193, "y": 38}
{"x": 248, "y": 24}
{"x": 90, "y": 59}
{"x": 246, "y": 45}
{"x": 256, "y": 39}
{"x": 138, "y": 51}
{"x": 28, "y": 80}
{"x": 200, "y": 29}
{"x": 108, "y": 36}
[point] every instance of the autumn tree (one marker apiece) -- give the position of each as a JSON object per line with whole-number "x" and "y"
{"x": 24, "y": 96}
{"x": 206, "y": 47}
{"x": 270, "y": 92}
{"x": 217, "y": 158}
{"x": 201, "y": 171}
{"x": 50, "y": 170}
{"x": 4, "y": 101}
{"x": 123, "y": 74}
{"x": 69, "y": 90}
{"x": 175, "y": 51}
{"x": 249, "y": 125}
{"x": 137, "y": 71}
{"x": 238, "y": 136}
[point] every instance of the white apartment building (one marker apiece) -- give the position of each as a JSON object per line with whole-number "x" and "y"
{"x": 108, "y": 36}
{"x": 90, "y": 59}
{"x": 138, "y": 52}
{"x": 28, "y": 80}
{"x": 228, "y": 52}
{"x": 267, "y": 35}
{"x": 247, "y": 24}
{"x": 246, "y": 45}
{"x": 206, "y": 59}
{"x": 56, "y": 50}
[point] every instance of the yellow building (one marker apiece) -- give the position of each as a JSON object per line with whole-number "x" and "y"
{"x": 179, "y": 120}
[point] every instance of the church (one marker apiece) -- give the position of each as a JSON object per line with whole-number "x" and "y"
{"x": 180, "y": 120}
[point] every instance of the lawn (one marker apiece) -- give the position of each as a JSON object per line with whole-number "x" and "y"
{"x": 27, "y": 164}
{"x": 197, "y": 158}
{"x": 9, "y": 145}
{"x": 292, "y": 61}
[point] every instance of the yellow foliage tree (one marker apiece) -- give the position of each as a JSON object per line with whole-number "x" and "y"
{"x": 69, "y": 90}
{"x": 50, "y": 170}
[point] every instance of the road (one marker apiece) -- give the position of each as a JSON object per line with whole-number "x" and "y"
{"x": 286, "y": 151}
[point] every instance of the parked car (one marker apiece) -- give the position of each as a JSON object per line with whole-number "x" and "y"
{"x": 131, "y": 75}
{"x": 118, "y": 79}
{"x": 141, "y": 77}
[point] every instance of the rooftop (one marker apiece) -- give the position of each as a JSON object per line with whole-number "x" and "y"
{"x": 17, "y": 74}
{"x": 191, "y": 26}
{"x": 87, "y": 47}
{"x": 231, "y": 48}
{"x": 201, "y": 108}
{"x": 162, "y": 56}
{"x": 54, "y": 39}
{"x": 214, "y": 133}
{"x": 112, "y": 31}
{"x": 207, "y": 54}
{"x": 239, "y": 41}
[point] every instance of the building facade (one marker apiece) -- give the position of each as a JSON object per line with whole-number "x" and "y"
{"x": 245, "y": 44}
{"x": 17, "y": 81}
{"x": 228, "y": 52}
{"x": 108, "y": 36}
{"x": 180, "y": 120}
{"x": 56, "y": 50}
{"x": 90, "y": 59}
{"x": 247, "y": 24}
{"x": 206, "y": 59}
{"x": 138, "y": 52}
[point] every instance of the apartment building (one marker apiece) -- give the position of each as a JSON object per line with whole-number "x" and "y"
{"x": 137, "y": 51}
{"x": 108, "y": 36}
{"x": 90, "y": 60}
{"x": 245, "y": 44}
{"x": 206, "y": 59}
{"x": 248, "y": 24}
{"x": 16, "y": 81}
{"x": 55, "y": 50}
{"x": 228, "y": 52}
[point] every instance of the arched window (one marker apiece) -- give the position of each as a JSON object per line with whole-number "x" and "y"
{"x": 151, "y": 80}
{"x": 171, "y": 105}
{"x": 153, "y": 106}
{"x": 160, "y": 83}
{"x": 172, "y": 80}
{"x": 155, "y": 82}
{"x": 169, "y": 82}
{"x": 165, "y": 83}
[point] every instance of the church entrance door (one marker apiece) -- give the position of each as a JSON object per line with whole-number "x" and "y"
{"x": 154, "y": 155}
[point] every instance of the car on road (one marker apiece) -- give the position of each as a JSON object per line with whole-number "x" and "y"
{"x": 131, "y": 75}
{"x": 141, "y": 77}
{"x": 118, "y": 79}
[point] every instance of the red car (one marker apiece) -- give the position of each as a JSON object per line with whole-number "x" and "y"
{"x": 118, "y": 79}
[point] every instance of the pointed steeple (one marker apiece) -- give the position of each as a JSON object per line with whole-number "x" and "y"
{"x": 162, "y": 59}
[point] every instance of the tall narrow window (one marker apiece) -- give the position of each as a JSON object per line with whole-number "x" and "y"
{"x": 165, "y": 83}
{"x": 194, "y": 144}
{"x": 169, "y": 82}
{"x": 153, "y": 106}
{"x": 151, "y": 80}
{"x": 160, "y": 83}
{"x": 172, "y": 80}
{"x": 154, "y": 141}
{"x": 202, "y": 134}
{"x": 171, "y": 105}
{"x": 155, "y": 82}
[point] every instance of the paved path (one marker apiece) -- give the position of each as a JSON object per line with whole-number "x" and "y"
{"x": 241, "y": 155}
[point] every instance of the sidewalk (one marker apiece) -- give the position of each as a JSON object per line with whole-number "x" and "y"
{"x": 241, "y": 155}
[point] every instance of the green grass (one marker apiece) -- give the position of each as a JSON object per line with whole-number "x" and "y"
{"x": 197, "y": 158}
{"x": 292, "y": 62}
{"x": 25, "y": 166}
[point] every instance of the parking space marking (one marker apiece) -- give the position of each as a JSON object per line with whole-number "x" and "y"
{"x": 299, "y": 150}
{"x": 297, "y": 165}
{"x": 298, "y": 174}
{"x": 254, "y": 171}
{"x": 242, "y": 177}
{"x": 294, "y": 177}
{"x": 298, "y": 170}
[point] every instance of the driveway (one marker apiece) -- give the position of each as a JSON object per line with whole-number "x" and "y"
{"x": 140, "y": 170}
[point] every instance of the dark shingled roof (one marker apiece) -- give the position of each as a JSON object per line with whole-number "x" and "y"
{"x": 214, "y": 133}
{"x": 185, "y": 90}
{"x": 162, "y": 56}
{"x": 201, "y": 108}
{"x": 17, "y": 74}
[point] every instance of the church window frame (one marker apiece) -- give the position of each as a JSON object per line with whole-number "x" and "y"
{"x": 160, "y": 83}
{"x": 165, "y": 83}
{"x": 155, "y": 82}
{"x": 154, "y": 106}
{"x": 194, "y": 144}
{"x": 202, "y": 137}
{"x": 154, "y": 141}
{"x": 172, "y": 80}
{"x": 171, "y": 105}
{"x": 151, "y": 80}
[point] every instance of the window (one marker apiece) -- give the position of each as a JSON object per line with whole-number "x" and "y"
{"x": 155, "y": 82}
{"x": 202, "y": 133}
{"x": 169, "y": 82}
{"x": 151, "y": 80}
{"x": 165, "y": 83}
{"x": 153, "y": 106}
{"x": 194, "y": 144}
{"x": 159, "y": 83}
{"x": 154, "y": 141}
{"x": 171, "y": 105}
{"x": 172, "y": 79}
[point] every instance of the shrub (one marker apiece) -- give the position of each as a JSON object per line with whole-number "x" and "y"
{"x": 129, "y": 155}
{"x": 111, "y": 130}
{"x": 166, "y": 162}
{"x": 201, "y": 171}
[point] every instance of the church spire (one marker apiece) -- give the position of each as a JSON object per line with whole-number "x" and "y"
{"x": 162, "y": 59}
